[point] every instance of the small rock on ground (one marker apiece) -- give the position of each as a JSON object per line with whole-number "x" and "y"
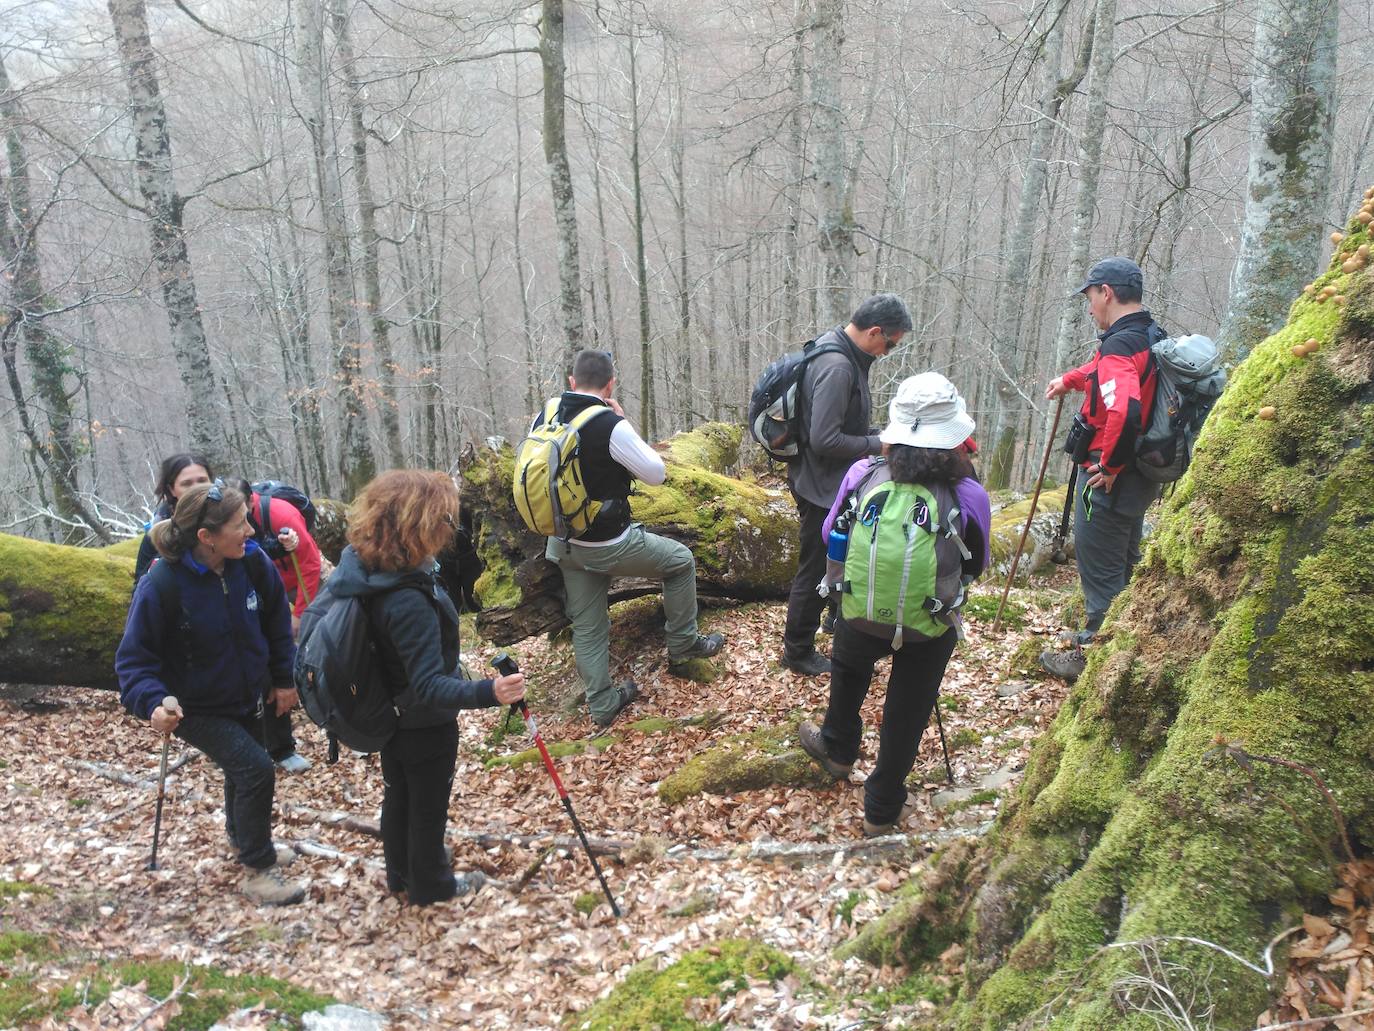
{"x": 1012, "y": 688}
{"x": 343, "y": 1018}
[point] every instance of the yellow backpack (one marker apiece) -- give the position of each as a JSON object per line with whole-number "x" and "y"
{"x": 550, "y": 493}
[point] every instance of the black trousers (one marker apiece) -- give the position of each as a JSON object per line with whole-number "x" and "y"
{"x": 917, "y": 669}
{"x": 804, "y": 605}
{"x": 417, "y": 767}
{"x": 275, "y": 732}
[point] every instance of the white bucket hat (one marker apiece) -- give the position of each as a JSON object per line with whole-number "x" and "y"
{"x": 927, "y": 412}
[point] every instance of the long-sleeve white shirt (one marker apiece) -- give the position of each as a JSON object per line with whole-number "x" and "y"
{"x": 629, "y": 449}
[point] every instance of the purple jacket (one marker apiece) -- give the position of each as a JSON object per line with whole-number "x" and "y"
{"x": 974, "y": 508}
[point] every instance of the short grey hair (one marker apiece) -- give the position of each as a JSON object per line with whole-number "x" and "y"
{"x": 886, "y": 311}
{"x": 593, "y": 369}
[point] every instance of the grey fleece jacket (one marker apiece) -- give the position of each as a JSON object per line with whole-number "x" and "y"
{"x": 836, "y": 404}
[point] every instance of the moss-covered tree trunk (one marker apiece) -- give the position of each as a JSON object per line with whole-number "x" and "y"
{"x": 1250, "y": 621}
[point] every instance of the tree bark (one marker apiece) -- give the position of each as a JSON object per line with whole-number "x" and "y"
{"x": 356, "y": 461}
{"x": 163, "y": 206}
{"x": 648, "y": 411}
{"x": 560, "y": 176}
{"x": 833, "y": 207}
{"x": 1292, "y": 130}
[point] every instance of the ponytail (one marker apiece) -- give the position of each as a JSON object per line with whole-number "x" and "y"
{"x": 166, "y": 539}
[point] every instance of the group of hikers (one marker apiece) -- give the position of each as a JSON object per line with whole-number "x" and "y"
{"x": 893, "y": 521}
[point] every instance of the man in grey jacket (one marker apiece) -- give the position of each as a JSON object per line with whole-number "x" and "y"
{"x": 835, "y": 405}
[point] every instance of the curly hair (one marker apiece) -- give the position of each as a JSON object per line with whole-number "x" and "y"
{"x": 927, "y": 465}
{"x": 403, "y": 517}
{"x": 195, "y": 511}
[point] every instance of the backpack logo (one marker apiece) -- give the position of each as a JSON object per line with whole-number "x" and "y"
{"x": 252, "y": 601}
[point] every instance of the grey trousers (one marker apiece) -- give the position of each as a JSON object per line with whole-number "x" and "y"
{"x": 1106, "y": 536}
{"x": 587, "y": 574}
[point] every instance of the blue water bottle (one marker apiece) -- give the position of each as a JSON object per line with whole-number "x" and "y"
{"x": 836, "y": 548}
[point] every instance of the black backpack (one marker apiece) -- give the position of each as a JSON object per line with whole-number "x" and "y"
{"x": 339, "y": 677}
{"x": 775, "y": 406}
{"x": 266, "y": 490}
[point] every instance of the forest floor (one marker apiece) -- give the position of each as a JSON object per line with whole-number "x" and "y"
{"x": 87, "y": 930}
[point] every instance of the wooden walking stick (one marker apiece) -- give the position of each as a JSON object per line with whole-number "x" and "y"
{"x": 1035, "y": 498}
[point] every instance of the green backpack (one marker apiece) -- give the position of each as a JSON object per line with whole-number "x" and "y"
{"x": 903, "y": 572}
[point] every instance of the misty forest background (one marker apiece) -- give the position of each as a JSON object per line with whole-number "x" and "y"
{"x": 321, "y": 239}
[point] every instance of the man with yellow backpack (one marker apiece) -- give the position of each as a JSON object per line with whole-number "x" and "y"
{"x": 572, "y": 480}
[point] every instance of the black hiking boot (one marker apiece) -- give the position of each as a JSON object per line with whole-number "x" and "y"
{"x": 812, "y": 665}
{"x": 701, "y": 648}
{"x": 629, "y": 692}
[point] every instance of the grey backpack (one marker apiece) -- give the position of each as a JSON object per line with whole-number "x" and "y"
{"x": 1188, "y": 382}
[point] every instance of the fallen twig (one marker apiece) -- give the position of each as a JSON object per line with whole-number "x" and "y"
{"x": 176, "y": 990}
{"x": 1334, "y": 1018}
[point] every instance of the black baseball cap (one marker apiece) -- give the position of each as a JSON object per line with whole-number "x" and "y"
{"x": 1114, "y": 272}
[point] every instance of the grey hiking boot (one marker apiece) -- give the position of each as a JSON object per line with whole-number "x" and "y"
{"x": 879, "y": 830}
{"x": 269, "y": 888}
{"x": 701, "y": 648}
{"x": 813, "y": 665}
{"x": 1067, "y": 665}
{"x": 814, "y": 745}
{"x": 629, "y": 691}
{"x": 469, "y": 883}
{"x": 294, "y": 763}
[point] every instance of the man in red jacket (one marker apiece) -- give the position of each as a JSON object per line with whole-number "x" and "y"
{"x": 1118, "y": 384}
{"x": 289, "y": 545}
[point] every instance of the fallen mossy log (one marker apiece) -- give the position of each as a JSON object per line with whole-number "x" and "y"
{"x": 1146, "y": 812}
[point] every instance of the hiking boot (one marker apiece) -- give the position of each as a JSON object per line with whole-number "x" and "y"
{"x": 701, "y": 648}
{"x": 1066, "y": 665}
{"x": 813, "y": 665}
{"x": 469, "y": 883}
{"x": 286, "y": 855}
{"x": 269, "y": 888}
{"x": 294, "y": 763}
{"x": 814, "y": 745}
{"x": 629, "y": 691}
{"x": 880, "y": 830}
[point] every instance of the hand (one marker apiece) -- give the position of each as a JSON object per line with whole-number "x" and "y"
{"x": 1099, "y": 477}
{"x": 284, "y": 698}
{"x": 1056, "y": 388}
{"x": 615, "y": 407}
{"x": 165, "y": 720}
{"x": 510, "y": 689}
{"x": 289, "y": 539}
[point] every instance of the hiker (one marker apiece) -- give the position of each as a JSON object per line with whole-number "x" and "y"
{"x": 612, "y": 454}
{"x": 288, "y": 542}
{"x": 210, "y": 625}
{"x": 396, "y": 527}
{"x": 178, "y": 473}
{"x": 926, "y": 442}
{"x": 835, "y": 405}
{"x": 1109, "y": 507}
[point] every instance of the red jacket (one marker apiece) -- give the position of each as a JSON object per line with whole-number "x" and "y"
{"x": 286, "y": 516}
{"x": 1119, "y": 389}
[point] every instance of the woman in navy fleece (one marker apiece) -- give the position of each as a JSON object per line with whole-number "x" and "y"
{"x": 397, "y": 525}
{"x": 210, "y": 625}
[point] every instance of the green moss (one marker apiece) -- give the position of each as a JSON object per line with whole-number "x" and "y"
{"x": 13, "y": 889}
{"x": 586, "y": 902}
{"x": 559, "y": 750}
{"x": 210, "y": 994}
{"x": 127, "y": 548}
{"x": 965, "y": 737}
{"x": 846, "y": 908}
{"x": 983, "y": 607}
{"x": 651, "y": 998}
{"x": 766, "y": 757}
{"x": 21, "y": 1002}
{"x": 23, "y": 943}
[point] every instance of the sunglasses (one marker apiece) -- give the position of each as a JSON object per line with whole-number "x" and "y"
{"x": 214, "y": 495}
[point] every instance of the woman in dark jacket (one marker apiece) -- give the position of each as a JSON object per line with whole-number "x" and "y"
{"x": 179, "y": 474}
{"x": 210, "y": 626}
{"x": 397, "y": 525}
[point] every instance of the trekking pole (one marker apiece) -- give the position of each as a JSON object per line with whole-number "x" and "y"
{"x": 506, "y": 666}
{"x": 170, "y": 704}
{"x": 940, "y": 726}
{"x": 1035, "y": 498}
{"x": 300, "y": 580}
{"x": 1059, "y": 556}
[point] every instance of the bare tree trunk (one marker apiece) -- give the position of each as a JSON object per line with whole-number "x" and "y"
{"x": 49, "y": 356}
{"x": 684, "y": 290}
{"x": 834, "y": 212}
{"x": 357, "y": 464}
{"x": 371, "y": 244}
{"x": 163, "y": 206}
{"x": 796, "y": 172}
{"x": 1089, "y": 172}
{"x": 648, "y": 411}
{"x": 526, "y": 322}
{"x": 1292, "y": 122}
{"x": 560, "y": 175}
{"x": 1012, "y": 352}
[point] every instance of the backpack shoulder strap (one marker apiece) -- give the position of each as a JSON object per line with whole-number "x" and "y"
{"x": 585, "y": 416}
{"x": 265, "y": 518}
{"x": 164, "y": 582}
{"x": 551, "y": 411}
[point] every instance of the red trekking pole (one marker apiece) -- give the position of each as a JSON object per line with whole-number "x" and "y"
{"x": 506, "y": 666}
